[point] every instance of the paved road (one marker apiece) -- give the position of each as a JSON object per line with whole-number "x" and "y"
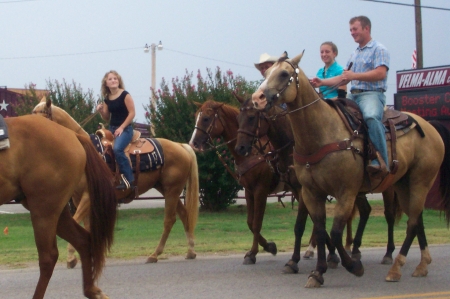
{"x": 145, "y": 204}
{"x": 225, "y": 277}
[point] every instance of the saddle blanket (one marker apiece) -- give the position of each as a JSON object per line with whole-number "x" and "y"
{"x": 4, "y": 140}
{"x": 148, "y": 161}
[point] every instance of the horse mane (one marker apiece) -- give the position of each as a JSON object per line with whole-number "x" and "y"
{"x": 228, "y": 110}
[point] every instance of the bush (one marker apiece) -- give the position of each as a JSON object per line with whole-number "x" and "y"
{"x": 174, "y": 119}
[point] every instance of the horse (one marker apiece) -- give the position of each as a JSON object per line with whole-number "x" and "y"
{"x": 41, "y": 170}
{"x": 255, "y": 174}
{"x": 254, "y": 124}
{"x": 340, "y": 172}
{"x": 179, "y": 171}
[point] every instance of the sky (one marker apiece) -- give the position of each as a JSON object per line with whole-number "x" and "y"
{"x": 81, "y": 40}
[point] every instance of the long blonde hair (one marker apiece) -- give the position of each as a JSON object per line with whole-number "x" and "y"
{"x": 105, "y": 89}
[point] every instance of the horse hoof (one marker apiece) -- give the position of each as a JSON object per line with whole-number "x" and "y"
{"x": 309, "y": 254}
{"x": 291, "y": 267}
{"x": 151, "y": 260}
{"x": 249, "y": 260}
{"x": 356, "y": 268}
{"x": 191, "y": 255}
{"x": 356, "y": 256}
{"x": 315, "y": 280}
{"x": 387, "y": 260}
{"x": 420, "y": 273}
{"x": 333, "y": 261}
{"x": 393, "y": 277}
{"x": 71, "y": 264}
{"x": 271, "y": 247}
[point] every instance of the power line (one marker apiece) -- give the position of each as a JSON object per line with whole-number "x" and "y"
{"x": 14, "y": 1}
{"x": 118, "y": 50}
{"x": 404, "y": 4}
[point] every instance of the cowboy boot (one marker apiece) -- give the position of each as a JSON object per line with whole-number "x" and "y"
{"x": 377, "y": 171}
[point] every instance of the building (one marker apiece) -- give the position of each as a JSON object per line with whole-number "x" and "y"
{"x": 9, "y": 97}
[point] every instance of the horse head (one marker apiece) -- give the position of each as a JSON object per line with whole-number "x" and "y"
{"x": 281, "y": 83}
{"x": 208, "y": 124}
{"x": 252, "y": 125}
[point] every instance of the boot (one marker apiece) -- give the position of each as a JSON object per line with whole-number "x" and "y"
{"x": 123, "y": 184}
{"x": 377, "y": 171}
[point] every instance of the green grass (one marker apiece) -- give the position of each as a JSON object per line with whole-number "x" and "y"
{"x": 138, "y": 232}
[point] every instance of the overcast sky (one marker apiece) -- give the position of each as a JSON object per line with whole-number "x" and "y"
{"x": 81, "y": 40}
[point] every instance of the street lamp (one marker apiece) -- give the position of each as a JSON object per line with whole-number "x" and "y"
{"x": 153, "y": 83}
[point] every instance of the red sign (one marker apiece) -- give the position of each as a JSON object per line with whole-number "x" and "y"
{"x": 429, "y": 104}
{"x": 423, "y": 78}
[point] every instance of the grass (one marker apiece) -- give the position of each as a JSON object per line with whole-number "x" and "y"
{"x": 138, "y": 232}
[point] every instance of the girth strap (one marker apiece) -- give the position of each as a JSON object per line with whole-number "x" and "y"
{"x": 322, "y": 152}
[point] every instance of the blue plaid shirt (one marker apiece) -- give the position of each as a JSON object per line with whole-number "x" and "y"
{"x": 366, "y": 59}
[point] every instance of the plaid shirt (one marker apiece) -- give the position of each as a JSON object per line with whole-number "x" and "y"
{"x": 366, "y": 59}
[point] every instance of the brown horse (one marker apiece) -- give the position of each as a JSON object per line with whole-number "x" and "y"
{"x": 256, "y": 175}
{"x": 254, "y": 124}
{"x": 180, "y": 170}
{"x": 341, "y": 173}
{"x": 41, "y": 169}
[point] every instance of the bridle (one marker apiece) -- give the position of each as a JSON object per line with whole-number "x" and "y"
{"x": 293, "y": 76}
{"x": 208, "y": 130}
{"x": 47, "y": 113}
{"x": 256, "y": 136}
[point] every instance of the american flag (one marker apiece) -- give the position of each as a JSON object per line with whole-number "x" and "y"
{"x": 414, "y": 59}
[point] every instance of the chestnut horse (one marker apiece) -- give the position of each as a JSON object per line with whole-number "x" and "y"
{"x": 421, "y": 154}
{"x": 41, "y": 169}
{"x": 256, "y": 175}
{"x": 254, "y": 124}
{"x": 180, "y": 170}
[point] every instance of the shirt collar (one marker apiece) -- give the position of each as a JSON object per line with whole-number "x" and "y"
{"x": 368, "y": 45}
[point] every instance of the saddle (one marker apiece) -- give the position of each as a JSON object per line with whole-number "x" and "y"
{"x": 4, "y": 137}
{"x": 396, "y": 124}
{"x": 144, "y": 154}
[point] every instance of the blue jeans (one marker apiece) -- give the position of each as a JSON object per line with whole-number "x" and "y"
{"x": 120, "y": 143}
{"x": 372, "y": 105}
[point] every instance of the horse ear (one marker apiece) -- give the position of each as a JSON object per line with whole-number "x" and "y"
{"x": 238, "y": 97}
{"x": 44, "y": 99}
{"x": 296, "y": 59}
{"x": 48, "y": 103}
{"x": 199, "y": 105}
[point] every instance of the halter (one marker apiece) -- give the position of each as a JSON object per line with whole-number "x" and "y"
{"x": 46, "y": 112}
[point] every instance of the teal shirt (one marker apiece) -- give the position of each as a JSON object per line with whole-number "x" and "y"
{"x": 334, "y": 70}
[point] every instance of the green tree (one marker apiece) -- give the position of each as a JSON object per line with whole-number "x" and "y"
{"x": 69, "y": 97}
{"x": 174, "y": 119}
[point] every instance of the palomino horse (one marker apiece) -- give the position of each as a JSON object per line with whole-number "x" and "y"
{"x": 213, "y": 120}
{"x": 341, "y": 173}
{"x": 41, "y": 169}
{"x": 254, "y": 124}
{"x": 180, "y": 170}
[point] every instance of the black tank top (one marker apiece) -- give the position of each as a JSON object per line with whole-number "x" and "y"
{"x": 118, "y": 109}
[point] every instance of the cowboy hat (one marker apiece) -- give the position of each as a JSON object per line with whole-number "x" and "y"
{"x": 265, "y": 58}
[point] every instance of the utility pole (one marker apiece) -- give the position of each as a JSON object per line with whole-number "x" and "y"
{"x": 419, "y": 46}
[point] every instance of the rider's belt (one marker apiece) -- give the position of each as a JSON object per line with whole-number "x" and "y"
{"x": 355, "y": 91}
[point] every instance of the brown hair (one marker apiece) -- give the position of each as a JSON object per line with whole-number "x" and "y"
{"x": 105, "y": 89}
{"x": 332, "y": 45}
{"x": 365, "y": 22}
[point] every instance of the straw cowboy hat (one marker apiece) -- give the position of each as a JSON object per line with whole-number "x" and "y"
{"x": 265, "y": 58}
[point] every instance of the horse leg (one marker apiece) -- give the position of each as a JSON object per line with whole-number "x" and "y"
{"x": 309, "y": 253}
{"x": 82, "y": 214}
{"x": 349, "y": 236}
{"x": 170, "y": 209}
{"x": 425, "y": 260}
{"x": 342, "y": 212}
{"x": 72, "y": 232}
{"x": 390, "y": 213}
{"x": 299, "y": 228}
{"x": 182, "y": 213}
{"x": 45, "y": 237}
{"x": 364, "y": 212}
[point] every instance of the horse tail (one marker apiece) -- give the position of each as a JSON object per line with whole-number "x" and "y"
{"x": 444, "y": 187}
{"x": 192, "y": 189}
{"x": 103, "y": 205}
